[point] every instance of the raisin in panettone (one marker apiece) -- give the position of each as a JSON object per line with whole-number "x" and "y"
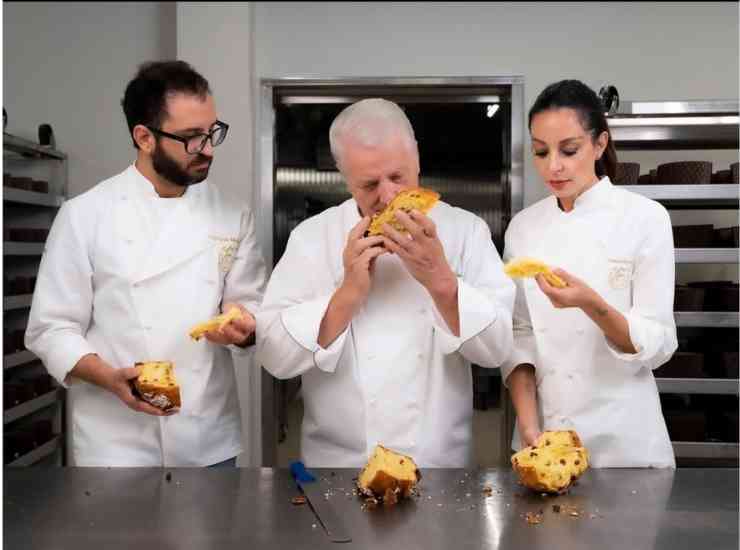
{"x": 157, "y": 384}
{"x": 388, "y": 475}
{"x": 558, "y": 459}
{"x": 417, "y": 198}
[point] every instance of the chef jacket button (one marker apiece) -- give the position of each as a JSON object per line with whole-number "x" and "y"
{"x": 372, "y": 402}
{"x": 370, "y": 356}
{"x": 420, "y": 355}
{"x": 412, "y": 443}
{"x": 422, "y": 311}
{"x": 580, "y": 331}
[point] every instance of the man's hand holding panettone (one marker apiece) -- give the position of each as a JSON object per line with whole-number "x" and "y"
{"x": 423, "y": 255}
{"x": 358, "y": 258}
{"x": 238, "y": 331}
{"x": 421, "y": 252}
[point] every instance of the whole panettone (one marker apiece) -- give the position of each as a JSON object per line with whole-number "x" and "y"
{"x": 558, "y": 459}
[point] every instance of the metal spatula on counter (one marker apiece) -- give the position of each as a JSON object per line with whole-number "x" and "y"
{"x": 321, "y": 507}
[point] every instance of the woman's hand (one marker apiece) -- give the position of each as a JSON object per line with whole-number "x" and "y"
{"x": 576, "y": 294}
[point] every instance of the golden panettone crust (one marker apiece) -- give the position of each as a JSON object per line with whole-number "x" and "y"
{"x": 418, "y": 198}
{"x": 157, "y": 384}
{"x": 554, "y": 464}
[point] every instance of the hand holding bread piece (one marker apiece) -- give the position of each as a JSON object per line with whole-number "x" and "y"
{"x": 529, "y": 267}
{"x": 216, "y": 323}
{"x": 157, "y": 384}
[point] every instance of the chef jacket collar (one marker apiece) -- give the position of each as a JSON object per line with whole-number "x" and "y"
{"x": 594, "y": 196}
{"x": 145, "y": 188}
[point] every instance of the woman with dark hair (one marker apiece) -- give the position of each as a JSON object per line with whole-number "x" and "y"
{"x": 584, "y": 354}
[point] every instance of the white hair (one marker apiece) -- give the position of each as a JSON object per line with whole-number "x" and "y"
{"x": 370, "y": 122}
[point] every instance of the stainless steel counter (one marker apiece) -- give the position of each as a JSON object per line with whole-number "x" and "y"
{"x": 222, "y": 509}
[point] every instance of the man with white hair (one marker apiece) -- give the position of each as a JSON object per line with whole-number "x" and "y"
{"x": 383, "y": 329}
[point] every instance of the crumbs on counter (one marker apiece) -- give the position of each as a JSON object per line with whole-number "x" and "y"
{"x": 298, "y": 500}
{"x": 534, "y": 518}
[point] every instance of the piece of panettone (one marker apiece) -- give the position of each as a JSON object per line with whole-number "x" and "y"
{"x": 529, "y": 267}
{"x": 216, "y": 323}
{"x": 157, "y": 384}
{"x": 418, "y": 198}
{"x": 388, "y": 476}
{"x": 558, "y": 459}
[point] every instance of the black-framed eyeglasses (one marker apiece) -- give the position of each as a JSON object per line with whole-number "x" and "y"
{"x": 196, "y": 143}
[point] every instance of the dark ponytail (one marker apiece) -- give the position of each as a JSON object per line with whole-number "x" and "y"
{"x": 574, "y": 94}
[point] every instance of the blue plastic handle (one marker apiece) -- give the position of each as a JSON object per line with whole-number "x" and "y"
{"x": 299, "y": 472}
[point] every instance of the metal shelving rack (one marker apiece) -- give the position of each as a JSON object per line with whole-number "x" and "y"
{"x": 684, "y": 125}
{"x": 35, "y": 208}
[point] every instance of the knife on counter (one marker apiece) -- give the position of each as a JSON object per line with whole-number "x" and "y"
{"x": 321, "y": 507}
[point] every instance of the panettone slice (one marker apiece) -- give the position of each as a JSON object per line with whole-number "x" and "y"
{"x": 388, "y": 475}
{"x": 529, "y": 267}
{"x": 157, "y": 384}
{"x": 418, "y": 198}
{"x": 558, "y": 460}
{"x": 216, "y": 323}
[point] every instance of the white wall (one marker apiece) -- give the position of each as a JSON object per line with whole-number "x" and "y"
{"x": 649, "y": 50}
{"x": 217, "y": 40}
{"x": 67, "y": 64}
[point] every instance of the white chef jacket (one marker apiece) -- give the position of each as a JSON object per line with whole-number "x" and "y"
{"x": 621, "y": 245}
{"x": 119, "y": 279}
{"x": 397, "y": 375}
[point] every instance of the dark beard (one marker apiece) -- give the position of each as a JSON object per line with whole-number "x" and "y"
{"x": 167, "y": 168}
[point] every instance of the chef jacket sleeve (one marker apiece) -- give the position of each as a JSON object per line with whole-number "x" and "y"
{"x": 245, "y": 283}
{"x": 61, "y": 309}
{"x": 485, "y": 298}
{"x": 288, "y": 321}
{"x": 652, "y": 326}
{"x": 525, "y": 347}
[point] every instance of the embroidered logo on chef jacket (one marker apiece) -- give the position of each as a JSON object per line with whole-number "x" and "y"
{"x": 226, "y": 252}
{"x": 620, "y": 274}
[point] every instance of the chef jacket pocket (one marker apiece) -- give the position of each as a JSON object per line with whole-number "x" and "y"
{"x": 619, "y": 283}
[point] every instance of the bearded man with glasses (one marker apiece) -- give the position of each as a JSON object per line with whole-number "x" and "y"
{"x": 131, "y": 266}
